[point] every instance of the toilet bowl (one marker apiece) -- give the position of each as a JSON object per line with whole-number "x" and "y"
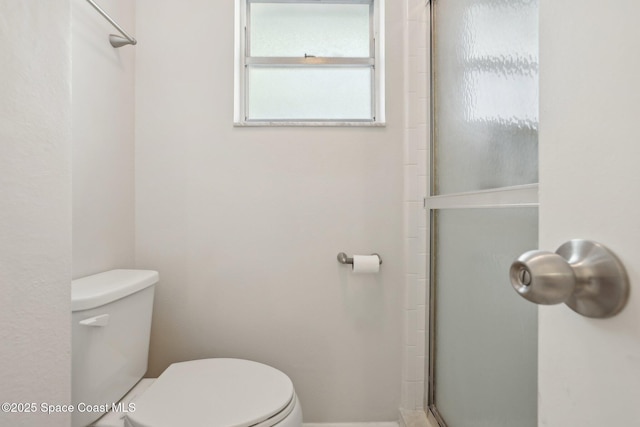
{"x": 218, "y": 392}
{"x": 111, "y": 325}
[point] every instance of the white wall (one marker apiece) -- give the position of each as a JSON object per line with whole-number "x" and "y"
{"x": 244, "y": 224}
{"x": 589, "y": 369}
{"x": 103, "y": 140}
{"x": 35, "y": 207}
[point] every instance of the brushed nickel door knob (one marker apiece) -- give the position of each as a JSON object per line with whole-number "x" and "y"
{"x": 583, "y": 274}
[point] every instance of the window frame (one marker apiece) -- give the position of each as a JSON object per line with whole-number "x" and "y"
{"x": 244, "y": 61}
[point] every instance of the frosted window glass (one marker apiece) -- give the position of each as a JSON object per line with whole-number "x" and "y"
{"x": 485, "y": 94}
{"x": 309, "y": 93}
{"x": 293, "y": 30}
{"x": 486, "y": 334}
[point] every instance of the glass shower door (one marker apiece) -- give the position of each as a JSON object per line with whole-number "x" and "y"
{"x": 483, "y": 207}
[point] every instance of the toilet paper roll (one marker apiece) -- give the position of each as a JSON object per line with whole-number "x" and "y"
{"x": 366, "y": 263}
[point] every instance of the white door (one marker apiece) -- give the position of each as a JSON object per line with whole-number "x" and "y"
{"x": 589, "y": 369}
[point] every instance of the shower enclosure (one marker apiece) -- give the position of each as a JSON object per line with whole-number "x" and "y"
{"x": 483, "y": 211}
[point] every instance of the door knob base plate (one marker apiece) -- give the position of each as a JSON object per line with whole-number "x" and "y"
{"x": 602, "y": 284}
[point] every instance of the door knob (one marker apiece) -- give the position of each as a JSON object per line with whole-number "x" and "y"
{"x": 583, "y": 274}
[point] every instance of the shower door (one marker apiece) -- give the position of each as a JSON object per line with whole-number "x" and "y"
{"x": 483, "y": 208}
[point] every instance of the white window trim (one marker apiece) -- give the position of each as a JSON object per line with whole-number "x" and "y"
{"x": 378, "y": 89}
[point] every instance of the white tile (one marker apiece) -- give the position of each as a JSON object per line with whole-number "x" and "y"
{"x": 421, "y": 162}
{"x": 411, "y": 256}
{"x": 408, "y": 5}
{"x": 415, "y": 41}
{"x": 405, "y": 355}
{"x": 423, "y": 117}
{"x": 421, "y": 319}
{"x": 425, "y": 16}
{"x": 421, "y": 264}
{"x": 421, "y": 291}
{"x": 411, "y": 183}
{"x": 422, "y": 30}
{"x": 417, "y": 212}
{"x": 415, "y": 8}
{"x": 408, "y": 395}
{"x": 411, "y": 213}
{"x": 412, "y": 73}
{"x": 412, "y": 329}
{"x": 422, "y": 241}
{"x": 413, "y": 418}
{"x": 423, "y": 137}
{"x": 422, "y": 186}
{"x": 422, "y": 85}
{"x": 421, "y": 343}
{"x": 416, "y": 217}
{"x": 411, "y": 361}
{"x": 413, "y": 106}
{"x": 420, "y": 361}
{"x": 422, "y": 65}
{"x": 411, "y": 10}
{"x": 423, "y": 218}
{"x": 411, "y": 300}
{"x": 413, "y": 64}
{"x": 411, "y": 147}
{"x": 419, "y": 392}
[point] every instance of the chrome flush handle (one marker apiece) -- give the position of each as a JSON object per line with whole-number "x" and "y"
{"x": 583, "y": 274}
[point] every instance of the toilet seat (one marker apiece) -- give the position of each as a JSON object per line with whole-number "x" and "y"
{"x": 215, "y": 393}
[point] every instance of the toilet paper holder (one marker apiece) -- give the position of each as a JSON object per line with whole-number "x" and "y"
{"x": 344, "y": 259}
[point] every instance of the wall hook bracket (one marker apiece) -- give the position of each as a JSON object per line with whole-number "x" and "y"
{"x": 115, "y": 40}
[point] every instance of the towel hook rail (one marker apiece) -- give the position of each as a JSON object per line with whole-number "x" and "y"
{"x": 116, "y": 41}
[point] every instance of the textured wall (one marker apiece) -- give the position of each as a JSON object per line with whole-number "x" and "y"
{"x": 35, "y": 208}
{"x": 244, "y": 224}
{"x": 103, "y": 140}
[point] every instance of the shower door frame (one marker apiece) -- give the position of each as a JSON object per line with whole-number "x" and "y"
{"x": 522, "y": 196}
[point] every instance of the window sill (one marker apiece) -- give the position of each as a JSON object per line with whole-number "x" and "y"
{"x": 307, "y": 124}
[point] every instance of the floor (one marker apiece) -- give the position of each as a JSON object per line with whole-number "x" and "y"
{"x": 414, "y": 419}
{"x": 113, "y": 419}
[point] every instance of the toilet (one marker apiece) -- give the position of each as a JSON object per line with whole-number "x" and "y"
{"x": 110, "y": 345}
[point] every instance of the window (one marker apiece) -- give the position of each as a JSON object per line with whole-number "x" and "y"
{"x": 309, "y": 62}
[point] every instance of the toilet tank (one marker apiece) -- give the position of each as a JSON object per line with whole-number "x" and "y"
{"x": 111, "y": 324}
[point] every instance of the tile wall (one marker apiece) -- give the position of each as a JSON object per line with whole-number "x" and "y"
{"x": 416, "y": 227}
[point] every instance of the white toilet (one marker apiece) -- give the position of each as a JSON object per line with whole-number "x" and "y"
{"x": 111, "y": 325}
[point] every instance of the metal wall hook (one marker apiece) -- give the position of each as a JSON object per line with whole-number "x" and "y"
{"x": 583, "y": 274}
{"x": 116, "y": 41}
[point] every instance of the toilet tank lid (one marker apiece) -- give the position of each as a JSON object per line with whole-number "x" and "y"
{"x": 100, "y": 289}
